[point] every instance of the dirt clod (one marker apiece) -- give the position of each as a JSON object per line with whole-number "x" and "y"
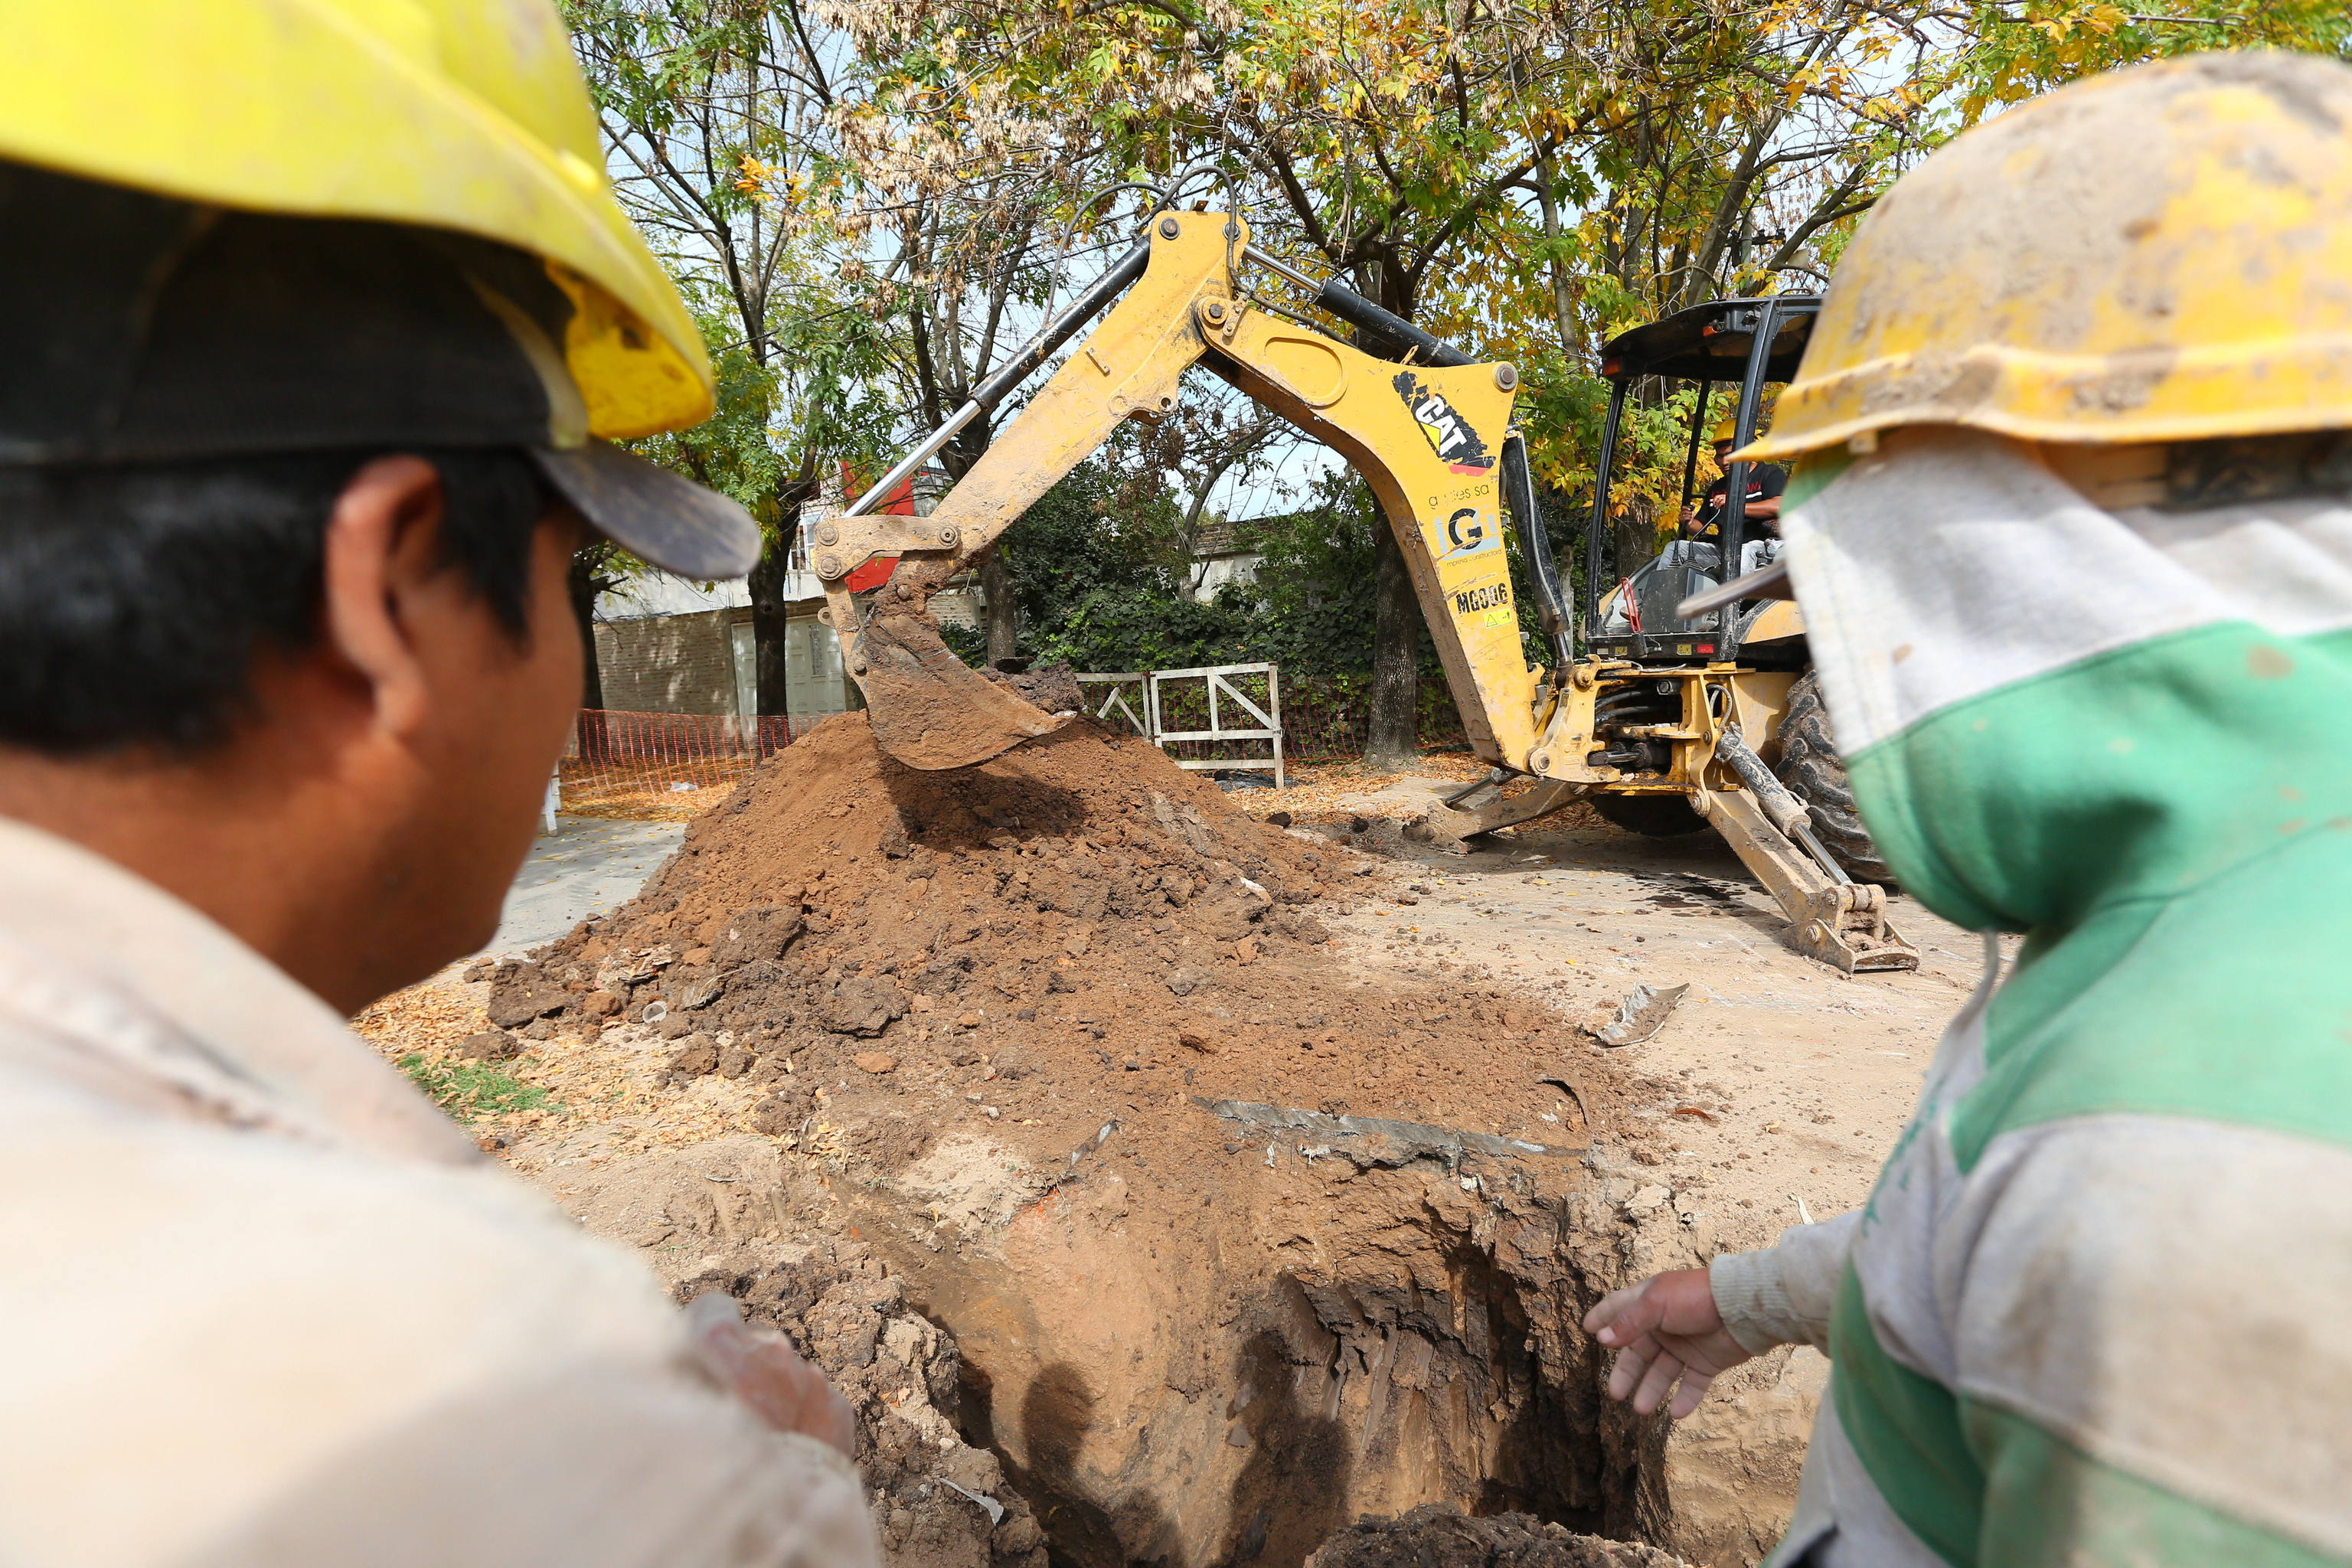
{"x": 698, "y": 1056}
{"x": 526, "y": 992}
{"x": 1437, "y": 1536}
{"x": 490, "y": 1045}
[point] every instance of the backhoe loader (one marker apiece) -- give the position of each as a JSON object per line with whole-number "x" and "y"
{"x": 1665, "y": 721}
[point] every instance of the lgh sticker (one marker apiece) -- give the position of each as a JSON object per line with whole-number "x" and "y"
{"x": 1448, "y": 433}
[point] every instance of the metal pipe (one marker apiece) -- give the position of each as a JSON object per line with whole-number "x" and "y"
{"x": 1519, "y": 483}
{"x": 1362, "y": 313}
{"x": 1690, "y": 458}
{"x": 907, "y": 465}
{"x": 1785, "y": 811}
{"x": 1731, "y": 534}
{"x": 1275, "y": 264}
{"x": 1010, "y": 375}
{"x": 1781, "y": 807}
{"x": 1837, "y": 873}
{"x": 1494, "y": 778}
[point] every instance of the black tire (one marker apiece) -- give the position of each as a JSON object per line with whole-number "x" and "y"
{"x": 1652, "y": 815}
{"x": 1814, "y": 772}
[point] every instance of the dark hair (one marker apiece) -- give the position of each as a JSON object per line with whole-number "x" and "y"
{"x": 135, "y": 598}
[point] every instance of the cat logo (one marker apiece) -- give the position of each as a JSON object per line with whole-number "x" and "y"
{"x": 1448, "y": 433}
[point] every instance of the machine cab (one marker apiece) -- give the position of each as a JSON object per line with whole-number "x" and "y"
{"x": 1629, "y": 608}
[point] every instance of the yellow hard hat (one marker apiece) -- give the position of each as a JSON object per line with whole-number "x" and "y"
{"x": 2158, "y": 254}
{"x": 465, "y": 115}
{"x": 1726, "y": 431}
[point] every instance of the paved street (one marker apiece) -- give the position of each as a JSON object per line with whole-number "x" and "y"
{"x": 587, "y": 866}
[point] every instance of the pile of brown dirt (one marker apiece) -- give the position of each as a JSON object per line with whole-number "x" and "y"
{"x": 1238, "y": 1240}
{"x": 1072, "y": 929}
{"x": 1436, "y": 1536}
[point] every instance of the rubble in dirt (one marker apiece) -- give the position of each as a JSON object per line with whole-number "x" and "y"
{"x": 1074, "y": 926}
{"x": 1436, "y": 1536}
{"x": 937, "y": 1501}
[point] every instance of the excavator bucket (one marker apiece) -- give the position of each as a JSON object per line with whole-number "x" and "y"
{"x": 928, "y": 709}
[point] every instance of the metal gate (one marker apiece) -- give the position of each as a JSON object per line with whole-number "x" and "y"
{"x": 1233, "y": 714}
{"x": 1117, "y": 690}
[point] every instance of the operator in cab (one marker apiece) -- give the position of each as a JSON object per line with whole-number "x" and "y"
{"x": 1765, "y": 483}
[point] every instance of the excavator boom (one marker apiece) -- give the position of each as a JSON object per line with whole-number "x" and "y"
{"x": 1431, "y": 435}
{"x": 1429, "y": 439}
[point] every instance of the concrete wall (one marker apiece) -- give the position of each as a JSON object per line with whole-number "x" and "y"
{"x": 701, "y": 663}
{"x": 669, "y": 664}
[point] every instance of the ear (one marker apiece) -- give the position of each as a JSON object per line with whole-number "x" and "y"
{"x": 383, "y": 556}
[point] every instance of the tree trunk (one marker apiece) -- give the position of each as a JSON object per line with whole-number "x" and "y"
{"x": 770, "y": 670}
{"x": 1391, "y": 735}
{"x": 1636, "y": 534}
{"x": 996, "y": 593}
{"x": 585, "y": 583}
{"x": 1389, "y": 739}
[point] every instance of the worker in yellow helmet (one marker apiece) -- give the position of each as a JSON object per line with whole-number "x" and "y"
{"x": 320, "y": 316}
{"x": 2071, "y": 525}
{"x": 1765, "y": 483}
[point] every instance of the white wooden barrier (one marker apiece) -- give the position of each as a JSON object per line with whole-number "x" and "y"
{"x": 1222, "y": 691}
{"x": 1123, "y": 692}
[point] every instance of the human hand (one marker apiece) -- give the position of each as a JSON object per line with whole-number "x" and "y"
{"x": 763, "y": 1370}
{"x": 1665, "y": 1329}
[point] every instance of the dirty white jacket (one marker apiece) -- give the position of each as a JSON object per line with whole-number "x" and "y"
{"x": 260, "y": 1303}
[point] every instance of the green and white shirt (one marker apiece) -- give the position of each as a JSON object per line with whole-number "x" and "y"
{"x": 2098, "y": 1309}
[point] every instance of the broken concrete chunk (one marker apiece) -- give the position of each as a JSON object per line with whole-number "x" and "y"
{"x": 1643, "y": 1012}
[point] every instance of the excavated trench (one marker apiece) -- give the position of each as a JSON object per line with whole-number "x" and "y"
{"x": 1141, "y": 1228}
{"x": 1317, "y": 1343}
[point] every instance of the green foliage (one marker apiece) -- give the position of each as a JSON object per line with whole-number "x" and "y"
{"x": 470, "y": 1090}
{"x": 1098, "y": 589}
{"x": 867, "y": 203}
{"x": 2019, "y": 50}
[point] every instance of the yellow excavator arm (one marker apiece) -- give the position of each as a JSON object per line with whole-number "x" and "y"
{"x": 1433, "y": 438}
{"x": 1427, "y": 438}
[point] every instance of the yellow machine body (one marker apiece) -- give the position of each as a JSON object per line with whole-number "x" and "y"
{"x": 1428, "y": 440}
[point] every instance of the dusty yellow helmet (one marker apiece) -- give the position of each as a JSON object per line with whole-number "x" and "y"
{"x": 2159, "y": 254}
{"x": 465, "y": 115}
